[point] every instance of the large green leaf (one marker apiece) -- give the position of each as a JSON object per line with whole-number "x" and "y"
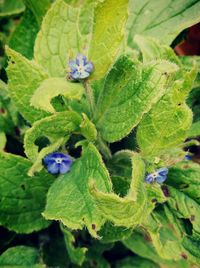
{"x": 108, "y": 33}
{"x": 60, "y": 37}
{"x": 20, "y": 257}
{"x": 23, "y": 38}
{"x": 130, "y": 210}
{"x": 130, "y": 262}
{"x": 169, "y": 120}
{"x": 163, "y": 20}
{"x": 69, "y": 199}
{"x": 53, "y": 87}
{"x": 130, "y": 90}
{"x": 194, "y": 131}
{"x": 24, "y": 77}
{"x": 11, "y": 7}
{"x": 22, "y": 198}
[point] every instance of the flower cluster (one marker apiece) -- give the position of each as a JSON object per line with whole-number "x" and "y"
{"x": 160, "y": 175}
{"x": 80, "y": 68}
{"x": 57, "y": 163}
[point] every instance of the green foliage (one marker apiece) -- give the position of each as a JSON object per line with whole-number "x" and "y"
{"x": 22, "y": 198}
{"x": 141, "y": 97}
{"x": 61, "y": 206}
{"x": 20, "y": 256}
{"x": 162, "y": 20}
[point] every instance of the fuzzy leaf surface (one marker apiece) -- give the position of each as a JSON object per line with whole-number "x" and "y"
{"x": 22, "y": 198}
{"x": 70, "y": 193}
{"x": 130, "y": 90}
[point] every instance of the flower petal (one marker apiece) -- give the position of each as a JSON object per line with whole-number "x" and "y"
{"x": 81, "y": 60}
{"x": 64, "y": 168}
{"x": 53, "y": 168}
{"x": 161, "y": 179}
{"x": 149, "y": 178}
{"x": 162, "y": 171}
{"x": 89, "y": 67}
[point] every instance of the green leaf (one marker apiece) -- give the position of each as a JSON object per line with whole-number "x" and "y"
{"x": 130, "y": 210}
{"x": 24, "y": 77}
{"x": 152, "y": 49}
{"x": 88, "y": 129}
{"x": 59, "y": 38}
{"x": 23, "y": 37}
{"x": 163, "y": 20}
{"x": 69, "y": 199}
{"x": 110, "y": 233}
{"x": 22, "y": 198}
{"x": 141, "y": 244}
{"x": 108, "y": 33}
{"x": 60, "y": 125}
{"x": 39, "y": 8}
{"x": 168, "y": 122}
{"x": 52, "y": 87}
{"x": 76, "y": 254}
{"x": 185, "y": 176}
{"x": 21, "y": 257}
{"x": 11, "y": 7}
{"x": 130, "y": 262}
{"x": 194, "y": 131}
{"x": 130, "y": 90}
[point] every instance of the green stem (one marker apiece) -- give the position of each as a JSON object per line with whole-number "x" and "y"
{"x": 103, "y": 148}
{"x": 90, "y": 97}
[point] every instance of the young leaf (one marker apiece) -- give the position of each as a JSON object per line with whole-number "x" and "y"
{"x": 53, "y": 127}
{"x": 130, "y": 90}
{"x": 163, "y": 20}
{"x": 108, "y": 33}
{"x": 130, "y": 210}
{"x": 167, "y": 123}
{"x": 59, "y": 38}
{"x": 88, "y": 129}
{"x": 53, "y": 87}
{"x": 22, "y": 198}
{"x": 23, "y": 38}
{"x": 77, "y": 255}
{"x": 20, "y": 256}
{"x": 69, "y": 199}
{"x": 24, "y": 77}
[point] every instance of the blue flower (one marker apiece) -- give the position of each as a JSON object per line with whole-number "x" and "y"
{"x": 188, "y": 157}
{"x": 80, "y": 67}
{"x": 57, "y": 163}
{"x": 160, "y": 175}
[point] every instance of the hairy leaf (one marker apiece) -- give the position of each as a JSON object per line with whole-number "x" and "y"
{"x": 59, "y": 38}
{"x": 69, "y": 199}
{"x": 108, "y": 33}
{"x": 163, "y": 20}
{"x": 167, "y": 124}
{"x": 24, "y": 78}
{"x": 53, "y": 127}
{"x": 53, "y": 87}
{"x": 22, "y": 198}
{"x": 130, "y": 210}
{"x": 130, "y": 90}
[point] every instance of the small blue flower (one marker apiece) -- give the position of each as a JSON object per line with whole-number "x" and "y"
{"x": 57, "y": 163}
{"x": 160, "y": 175}
{"x": 188, "y": 157}
{"x": 80, "y": 67}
